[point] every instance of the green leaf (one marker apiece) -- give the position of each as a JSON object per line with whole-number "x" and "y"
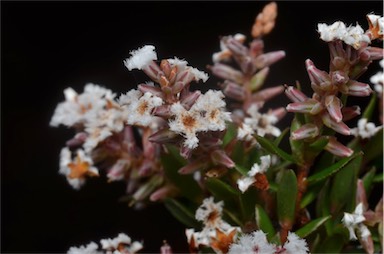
{"x": 280, "y": 138}
{"x": 325, "y": 173}
{"x": 181, "y": 213}
{"x": 272, "y": 148}
{"x": 311, "y": 194}
{"x": 230, "y": 133}
{"x": 311, "y": 226}
{"x": 344, "y": 186}
{"x": 172, "y": 162}
{"x": 220, "y": 189}
{"x": 286, "y": 198}
{"x": 374, "y": 147}
{"x": 371, "y": 107}
{"x": 368, "y": 180}
{"x": 378, "y": 178}
{"x": 263, "y": 222}
{"x": 241, "y": 169}
{"x": 233, "y": 217}
{"x": 319, "y": 144}
{"x": 332, "y": 244}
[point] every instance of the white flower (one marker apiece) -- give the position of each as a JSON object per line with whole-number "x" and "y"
{"x": 253, "y": 243}
{"x": 365, "y": 129}
{"x": 295, "y": 245}
{"x": 81, "y": 108}
{"x": 91, "y": 248}
{"x": 378, "y": 80}
{"x": 354, "y": 221}
{"x": 96, "y": 135}
{"x": 122, "y": 239}
{"x": 186, "y": 123}
{"x": 335, "y": 31}
{"x": 376, "y": 21}
{"x": 262, "y": 124}
{"x": 355, "y": 36}
{"x": 212, "y": 105}
{"x": 139, "y": 107}
{"x": 352, "y": 35}
{"x": 210, "y": 212}
{"x": 76, "y": 169}
{"x": 141, "y": 57}
{"x": 246, "y": 181}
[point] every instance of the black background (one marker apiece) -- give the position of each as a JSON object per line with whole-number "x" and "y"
{"x": 47, "y": 46}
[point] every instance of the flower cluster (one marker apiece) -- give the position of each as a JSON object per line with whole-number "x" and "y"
{"x": 216, "y": 159}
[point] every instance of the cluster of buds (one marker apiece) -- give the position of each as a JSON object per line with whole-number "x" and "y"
{"x": 216, "y": 233}
{"x": 126, "y": 136}
{"x": 243, "y": 85}
{"x": 350, "y": 56}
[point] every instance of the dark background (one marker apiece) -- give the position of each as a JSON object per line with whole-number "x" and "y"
{"x": 48, "y": 46}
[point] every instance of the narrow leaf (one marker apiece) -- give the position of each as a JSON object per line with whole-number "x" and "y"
{"x": 180, "y": 212}
{"x": 280, "y": 138}
{"x": 272, "y": 148}
{"x": 241, "y": 170}
{"x": 220, "y": 189}
{"x": 286, "y": 198}
{"x": 311, "y": 226}
{"x": 263, "y": 222}
{"x": 368, "y": 180}
{"x": 325, "y": 173}
{"x": 371, "y": 107}
{"x": 378, "y": 178}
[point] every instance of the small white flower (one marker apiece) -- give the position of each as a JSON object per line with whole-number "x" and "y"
{"x": 365, "y": 129}
{"x": 354, "y": 221}
{"x": 378, "y": 80}
{"x": 81, "y": 108}
{"x": 122, "y": 239}
{"x": 262, "y": 124}
{"x": 186, "y": 123}
{"x": 335, "y": 31}
{"x": 352, "y": 35}
{"x": 76, "y": 169}
{"x": 355, "y": 36}
{"x": 212, "y": 106}
{"x": 91, "y": 248}
{"x": 141, "y": 57}
{"x": 254, "y": 243}
{"x": 139, "y": 107}
{"x": 295, "y": 245}
{"x": 246, "y": 181}
{"x": 376, "y": 21}
{"x": 96, "y": 135}
{"x": 209, "y": 212}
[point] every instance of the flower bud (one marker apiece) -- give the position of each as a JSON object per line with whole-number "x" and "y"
{"x": 294, "y": 94}
{"x": 334, "y": 105}
{"x": 267, "y": 93}
{"x": 221, "y": 158}
{"x": 234, "y": 91}
{"x": 226, "y": 72}
{"x": 338, "y": 149}
{"x": 268, "y": 59}
{"x": 306, "y": 131}
{"x": 188, "y": 101}
{"x": 356, "y": 88}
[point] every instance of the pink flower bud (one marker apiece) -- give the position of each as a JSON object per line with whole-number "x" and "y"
{"x": 267, "y": 93}
{"x": 294, "y": 94}
{"x": 226, "y": 72}
{"x": 188, "y": 101}
{"x": 164, "y": 136}
{"x": 236, "y": 47}
{"x": 310, "y": 106}
{"x": 338, "y": 149}
{"x": 256, "y": 47}
{"x": 350, "y": 112}
{"x": 306, "y": 131}
{"x": 268, "y": 59}
{"x": 319, "y": 79}
{"x": 162, "y": 111}
{"x": 340, "y": 127}
{"x": 375, "y": 53}
{"x": 221, "y": 158}
{"x": 356, "y": 88}
{"x": 334, "y": 105}
{"x": 193, "y": 166}
{"x": 234, "y": 91}
{"x": 151, "y": 89}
